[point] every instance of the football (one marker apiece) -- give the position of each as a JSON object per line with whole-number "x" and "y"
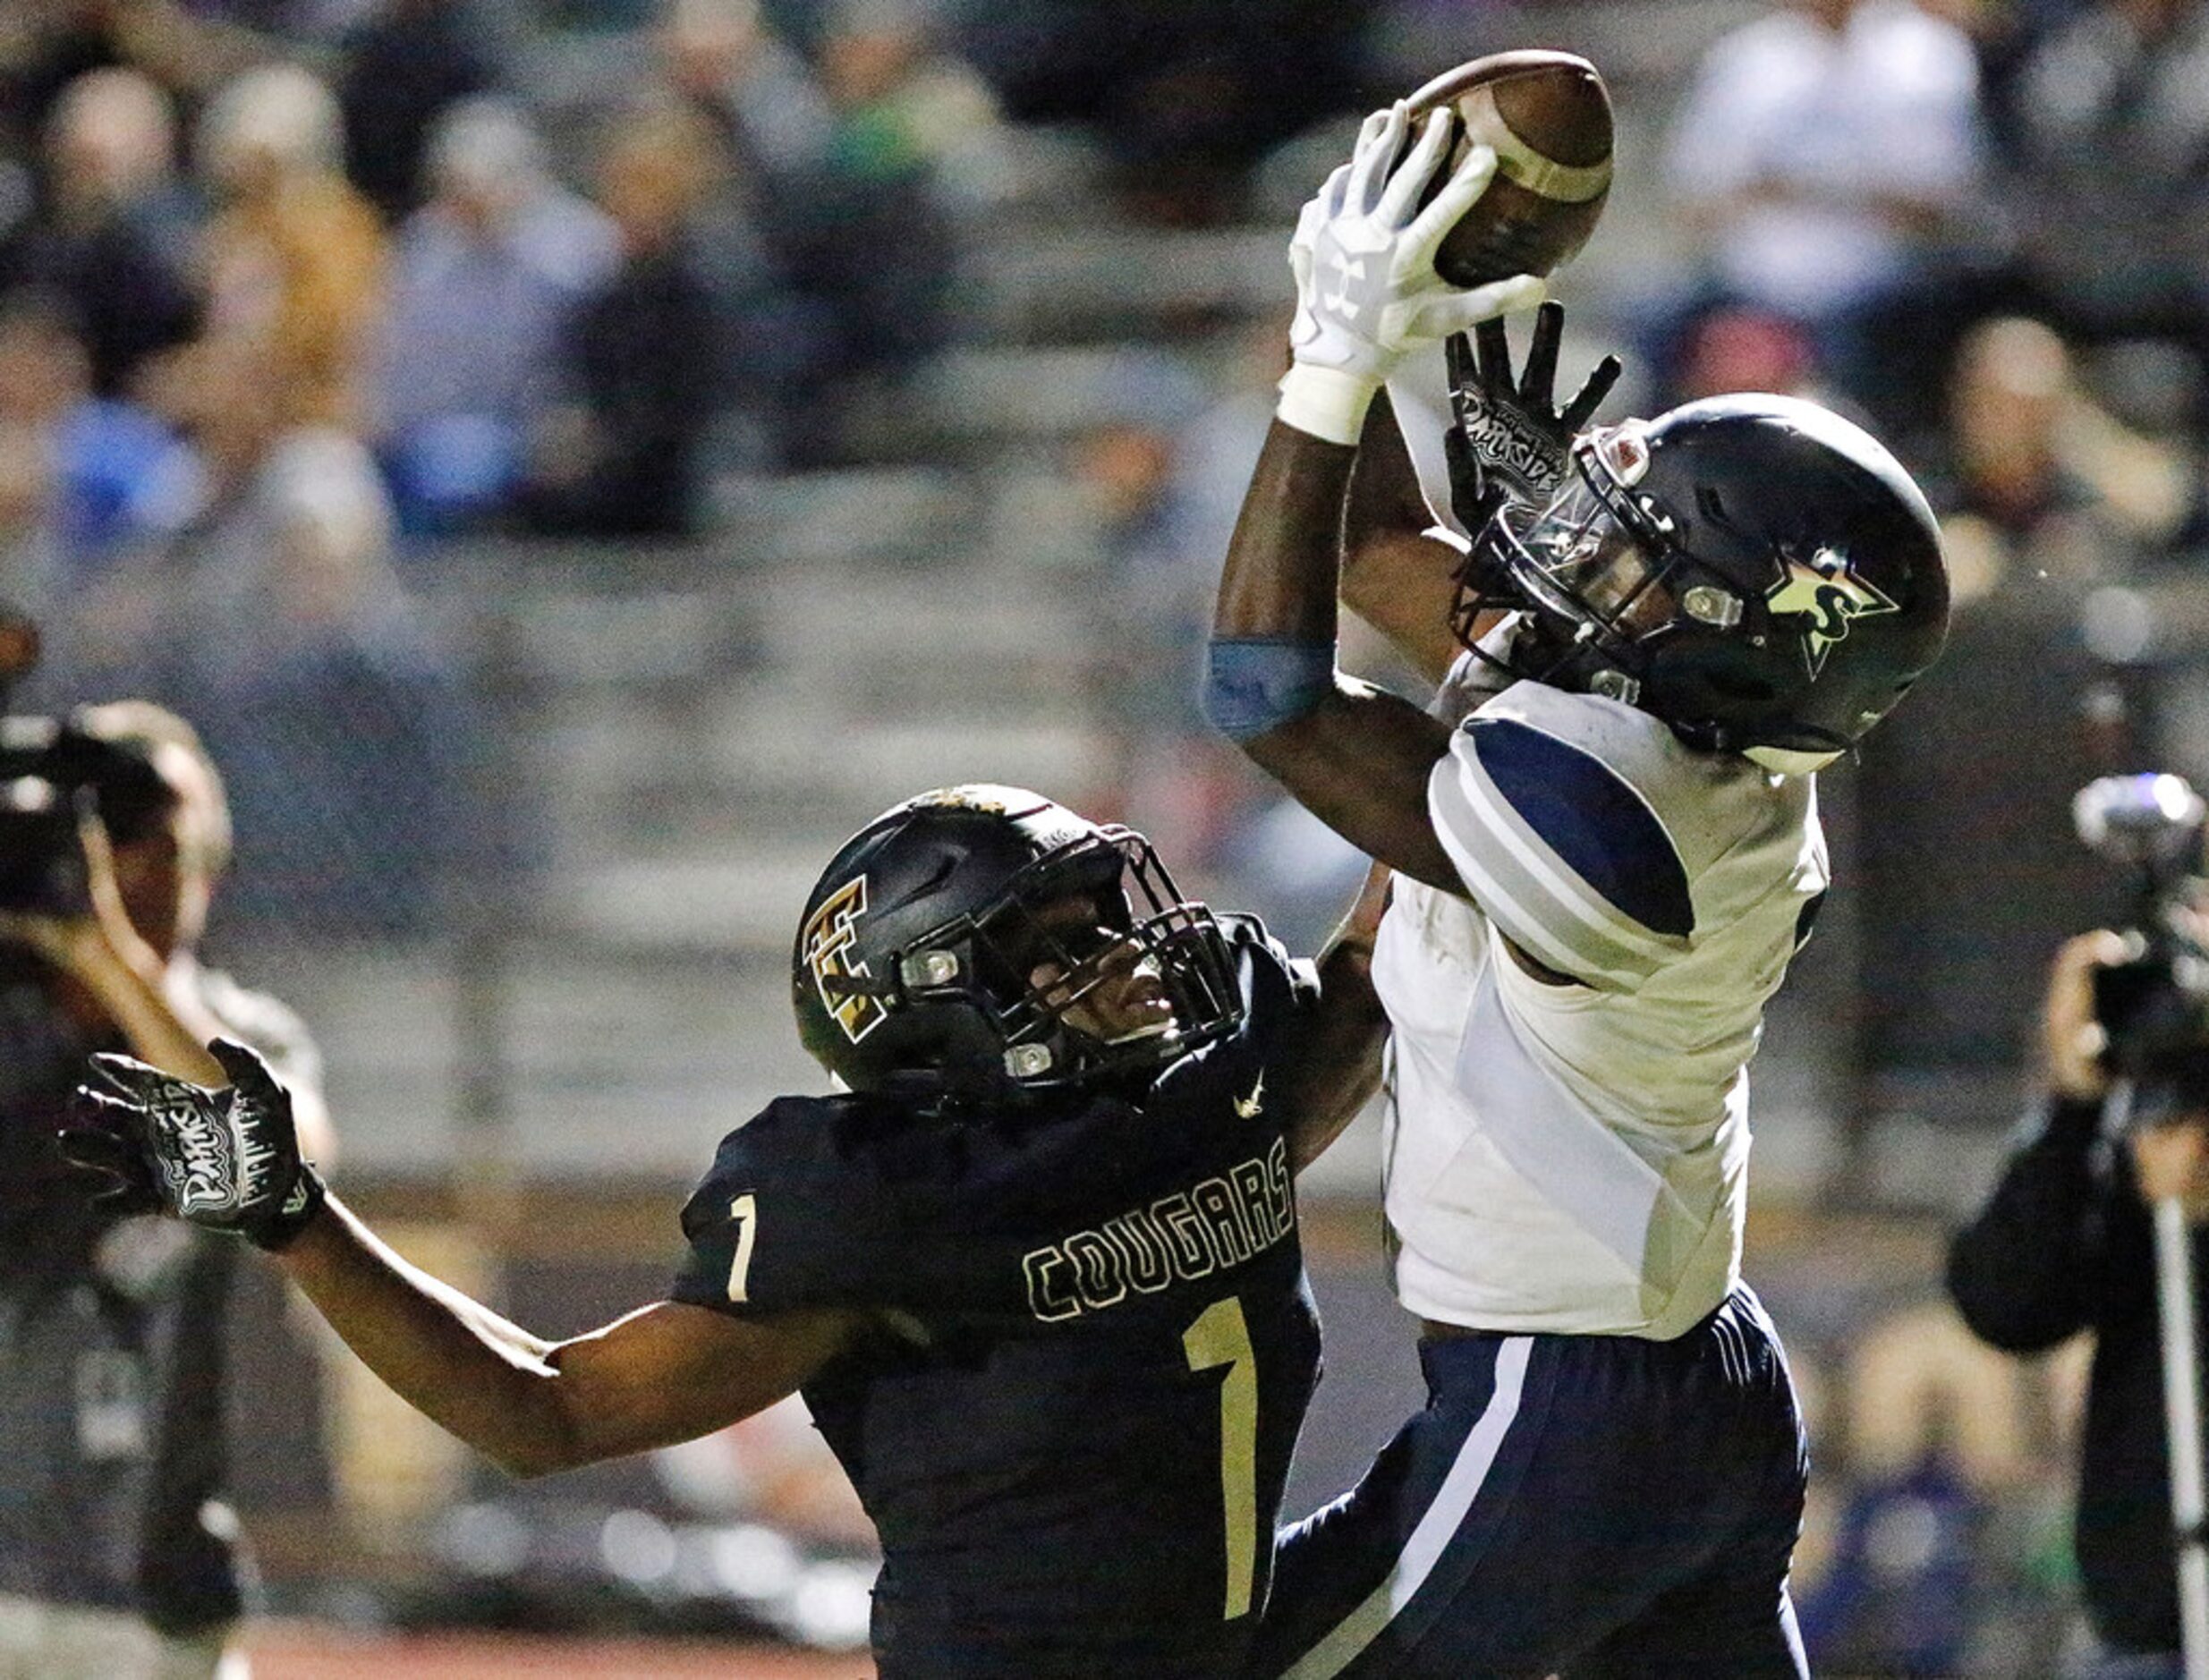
{"x": 1548, "y": 115}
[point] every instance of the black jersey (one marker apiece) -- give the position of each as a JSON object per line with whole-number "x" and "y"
{"x": 1097, "y": 1344}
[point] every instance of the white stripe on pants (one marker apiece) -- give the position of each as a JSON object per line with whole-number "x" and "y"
{"x": 1437, "y": 1526}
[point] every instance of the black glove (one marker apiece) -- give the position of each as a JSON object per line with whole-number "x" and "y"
{"x": 225, "y": 1159}
{"x": 1508, "y": 441}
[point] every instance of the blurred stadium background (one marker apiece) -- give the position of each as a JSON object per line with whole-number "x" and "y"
{"x": 577, "y": 459}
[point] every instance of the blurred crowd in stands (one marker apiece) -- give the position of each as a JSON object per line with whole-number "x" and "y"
{"x": 291, "y": 289}
{"x": 555, "y": 309}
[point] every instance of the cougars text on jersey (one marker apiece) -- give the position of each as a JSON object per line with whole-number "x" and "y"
{"x": 1212, "y": 1225}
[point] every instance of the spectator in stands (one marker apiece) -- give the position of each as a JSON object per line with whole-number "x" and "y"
{"x": 2110, "y": 133}
{"x": 881, "y": 246}
{"x": 36, "y": 381}
{"x": 758, "y": 230}
{"x": 46, "y": 45}
{"x": 1740, "y": 347}
{"x": 2044, "y": 500}
{"x": 641, "y": 368}
{"x": 84, "y": 480}
{"x": 906, "y": 102}
{"x": 117, "y": 1557}
{"x": 726, "y": 58}
{"x": 2041, "y": 481}
{"x": 1829, "y": 157}
{"x": 295, "y": 257}
{"x": 484, "y": 279}
{"x": 278, "y": 618}
{"x": 847, "y": 176}
{"x": 114, "y": 232}
{"x": 403, "y": 67}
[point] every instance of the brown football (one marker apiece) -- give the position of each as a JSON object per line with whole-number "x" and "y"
{"x": 1548, "y": 115}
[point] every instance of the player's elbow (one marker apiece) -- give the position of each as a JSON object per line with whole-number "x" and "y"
{"x": 545, "y": 1435}
{"x": 528, "y": 1455}
{"x": 1259, "y": 689}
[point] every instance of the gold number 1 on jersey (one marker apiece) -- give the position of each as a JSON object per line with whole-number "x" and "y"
{"x": 1221, "y": 1336}
{"x": 743, "y": 1214}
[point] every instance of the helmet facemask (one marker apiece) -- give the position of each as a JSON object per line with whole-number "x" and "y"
{"x": 1575, "y": 562}
{"x": 1040, "y": 978}
{"x": 1596, "y": 572}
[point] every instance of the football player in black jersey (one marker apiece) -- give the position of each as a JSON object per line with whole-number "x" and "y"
{"x": 1035, "y": 1266}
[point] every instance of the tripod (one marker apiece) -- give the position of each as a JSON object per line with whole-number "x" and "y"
{"x": 2182, "y": 1419}
{"x": 2174, "y": 1293}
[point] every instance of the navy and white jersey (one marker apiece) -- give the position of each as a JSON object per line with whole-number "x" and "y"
{"x": 1572, "y": 1158}
{"x": 1095, "y": 1347}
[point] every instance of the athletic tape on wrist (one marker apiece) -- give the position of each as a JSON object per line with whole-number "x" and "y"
{"x": 1255, "y": 684}
{"x": 1325, "y": 402}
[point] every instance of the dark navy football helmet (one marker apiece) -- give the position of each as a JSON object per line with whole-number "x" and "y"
{"x": 1756, "y": 571}
{"x": 914, "y": 971}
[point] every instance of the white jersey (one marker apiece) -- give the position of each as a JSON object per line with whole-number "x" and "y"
{"x": 1573, "y": 1157}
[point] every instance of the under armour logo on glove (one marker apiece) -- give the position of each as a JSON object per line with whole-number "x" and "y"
{"x": 1351, "y": 272}
{"x": 1364, "y": 251}
{"x": 225, "y": 1158}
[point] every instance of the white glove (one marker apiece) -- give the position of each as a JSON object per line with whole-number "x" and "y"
{"x": 1363, "y": 259}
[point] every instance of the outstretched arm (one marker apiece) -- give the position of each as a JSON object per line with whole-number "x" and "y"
{"x": 667, "y": 1372}
{"x": 1356, "y": 756}
{"x": 227, "y": 1158}
{"x": 1364, "y": 254}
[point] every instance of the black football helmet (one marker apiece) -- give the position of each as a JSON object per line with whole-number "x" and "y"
{"x": 1756, "y": 571}
{"x": 913, "y": 971}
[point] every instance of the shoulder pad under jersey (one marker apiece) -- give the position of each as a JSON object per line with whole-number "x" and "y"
{"x": 1583, "y": 828}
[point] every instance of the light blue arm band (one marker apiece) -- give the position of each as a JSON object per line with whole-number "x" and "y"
{"x": 1254, "y": 683}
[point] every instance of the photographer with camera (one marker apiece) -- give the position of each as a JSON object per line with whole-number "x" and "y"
{"x": 116, "y": 1554}
{"x": 2089, "y": 1227}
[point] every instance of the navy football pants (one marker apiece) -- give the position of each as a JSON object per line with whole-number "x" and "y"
{"x": 1587, "y": 1505}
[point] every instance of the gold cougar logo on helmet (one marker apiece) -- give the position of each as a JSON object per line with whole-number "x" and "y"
{"x": 828, "y": 934}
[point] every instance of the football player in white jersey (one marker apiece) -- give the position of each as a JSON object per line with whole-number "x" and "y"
{"x": 1606, "y": 850}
